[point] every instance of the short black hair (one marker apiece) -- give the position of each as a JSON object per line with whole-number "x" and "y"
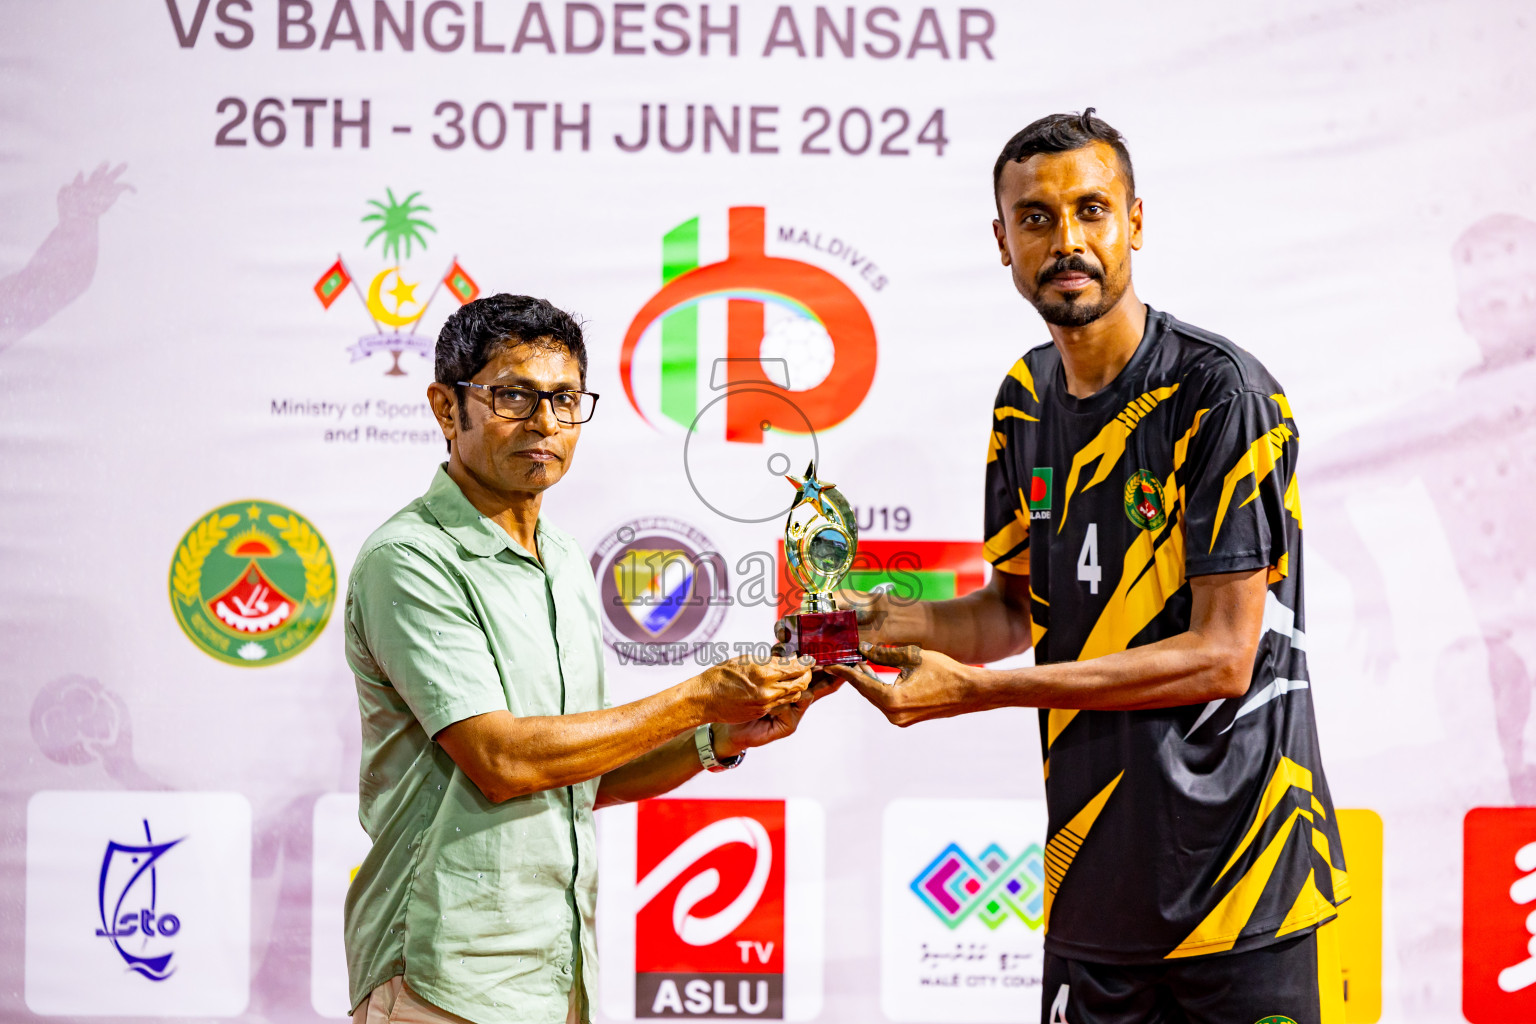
{"x": 1061, "y": 133}
{"x": 477, "y": 331}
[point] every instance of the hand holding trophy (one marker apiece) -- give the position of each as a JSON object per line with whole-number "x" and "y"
{"x": 820, "y": 539}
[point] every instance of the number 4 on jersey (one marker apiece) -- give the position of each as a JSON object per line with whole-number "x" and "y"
{"x": 1088, "y": 570}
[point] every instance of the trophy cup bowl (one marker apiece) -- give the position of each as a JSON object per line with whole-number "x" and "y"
{"x": 821, "y": 537}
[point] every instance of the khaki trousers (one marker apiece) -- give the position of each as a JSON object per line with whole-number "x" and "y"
{"x": 394, "y": 1003}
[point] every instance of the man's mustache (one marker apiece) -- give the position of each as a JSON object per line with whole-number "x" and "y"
{"x": 1068, "y": 264}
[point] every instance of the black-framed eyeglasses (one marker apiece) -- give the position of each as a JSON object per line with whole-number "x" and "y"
{"x": 511, "y": 402}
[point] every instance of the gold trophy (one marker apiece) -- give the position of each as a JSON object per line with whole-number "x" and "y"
{"x": 821, "y": 536}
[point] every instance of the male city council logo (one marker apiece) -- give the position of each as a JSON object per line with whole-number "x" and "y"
{"x": 992, "y": 887}
{"x": 663, "y": 587}
{"x": 126, "y": 901}
{"x": 391, "y": 302}
{"x": 786, "y": 310}
{"x": 252, "y": 583}
{"x": 1144, "y": 502}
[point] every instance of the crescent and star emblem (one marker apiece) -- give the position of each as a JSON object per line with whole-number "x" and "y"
{"x": 403, "y": 293}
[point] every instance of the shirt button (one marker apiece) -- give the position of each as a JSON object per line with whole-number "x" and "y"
{"x": 565, "y": 968}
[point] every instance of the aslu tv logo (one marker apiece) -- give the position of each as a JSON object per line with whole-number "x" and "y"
{"x": 127, "y": 895}
{"x": 992, "y": 887}
{"x": 813, "y": 310}
{"x": 727, "y": 856}
{"x": 391, "y": 301}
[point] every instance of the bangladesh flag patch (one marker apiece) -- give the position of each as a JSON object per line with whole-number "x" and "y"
{"x": 1040, "y": 489}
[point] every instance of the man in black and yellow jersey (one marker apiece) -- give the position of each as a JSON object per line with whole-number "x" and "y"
{"x": 1144, "y": 526}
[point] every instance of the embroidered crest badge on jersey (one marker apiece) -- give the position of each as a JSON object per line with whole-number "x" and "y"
{"x": 1144, "y": 503}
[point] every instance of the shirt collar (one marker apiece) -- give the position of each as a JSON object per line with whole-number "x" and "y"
{"x": 473, "y": 531}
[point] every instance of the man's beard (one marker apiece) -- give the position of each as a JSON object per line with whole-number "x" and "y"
{"x": 1074, "y": 310}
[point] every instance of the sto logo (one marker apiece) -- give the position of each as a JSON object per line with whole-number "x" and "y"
{"x": 749, "y": 279}
{"x": 125, "y": 900}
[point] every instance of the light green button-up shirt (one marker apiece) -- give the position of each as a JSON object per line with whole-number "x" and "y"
{"x": 486, "y": 909}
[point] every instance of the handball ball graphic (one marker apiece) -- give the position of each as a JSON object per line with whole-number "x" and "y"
{"x": 75, "y": 719}
{"x": 806, "y": 348}
{"x": 745, "y": 483}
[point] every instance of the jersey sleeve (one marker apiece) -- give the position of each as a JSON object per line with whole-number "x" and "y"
{"x": 1238, "y": 485}
{"x": 412, "y": 628}
{"x": 1007, "y": 511}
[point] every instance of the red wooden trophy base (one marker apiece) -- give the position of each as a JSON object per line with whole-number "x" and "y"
{"x": 832, "y": 638}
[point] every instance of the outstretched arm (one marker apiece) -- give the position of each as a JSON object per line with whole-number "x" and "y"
{"x": 669, "y": 766}
{"x": 985, "y": 625}
{"x": 507, "y": 756}
{"x": 64, "y": 264}
{"x": 1212, "y": 659}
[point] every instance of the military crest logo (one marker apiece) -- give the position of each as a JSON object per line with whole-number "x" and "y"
{"x": 391, "y": 301}
{"x": 252, "y": 583}
{"x": 1144, "y": 502}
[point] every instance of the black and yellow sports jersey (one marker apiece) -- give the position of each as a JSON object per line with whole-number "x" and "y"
{"x": 1183, "y": 831}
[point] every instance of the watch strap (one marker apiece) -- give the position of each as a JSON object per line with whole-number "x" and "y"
{"x": 704, "y": 742}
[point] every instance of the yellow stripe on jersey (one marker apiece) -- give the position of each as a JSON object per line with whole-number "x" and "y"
{"x": 1287, "y": 774}
{"x": 1006, "y": 412}
{"x": 1338, "y": 880}
{"x": 1257, "y": 462}
{"x": 1293, "y": 500}
{"x": 1310, "y": 905}
{"x": 1221, "y": 927}
{"x": 1153, "y": 572}
{"x": 1036, "y": 631}
{"x": 996, "y": 443}
{"x": 1020, "y": 372}
{"x": 1226, "y": 921}
{"x": 1003, "y": 548}
{"x": 1109, "y": 445}
{"x": 1181, "y": 446}
{"x": 1057, "y": 719}
{"x": 1062, "y": 848}
{"x": 1284, "y": 404}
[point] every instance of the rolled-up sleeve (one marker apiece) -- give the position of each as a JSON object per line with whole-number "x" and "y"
{"x": 417, "y": 631}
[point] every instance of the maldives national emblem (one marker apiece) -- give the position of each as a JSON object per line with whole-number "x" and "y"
{"x": 391, "y": 301}
{"x": 252, "y": 583}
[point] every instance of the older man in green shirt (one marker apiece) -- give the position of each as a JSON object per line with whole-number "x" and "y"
{"x": 488, "y": 739}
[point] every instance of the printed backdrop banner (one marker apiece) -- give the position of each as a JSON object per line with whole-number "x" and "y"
{"x": 231, "y": 229}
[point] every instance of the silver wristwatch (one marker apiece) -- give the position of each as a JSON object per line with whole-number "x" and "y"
{"x": 704, "y": 740}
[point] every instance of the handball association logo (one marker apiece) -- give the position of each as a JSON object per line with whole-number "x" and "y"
{"x": 664, "y": 589}
{"x": 391, "y": 301}
{"x": 252, "y": 583}
{"x": 778, "y": 310}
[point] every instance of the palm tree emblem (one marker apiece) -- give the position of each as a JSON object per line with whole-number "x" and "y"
{"x": 390, "y": 300}
{"x": 398, "y": 223}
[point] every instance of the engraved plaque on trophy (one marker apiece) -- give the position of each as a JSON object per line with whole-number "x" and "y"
{"x": 820, "y": 539}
